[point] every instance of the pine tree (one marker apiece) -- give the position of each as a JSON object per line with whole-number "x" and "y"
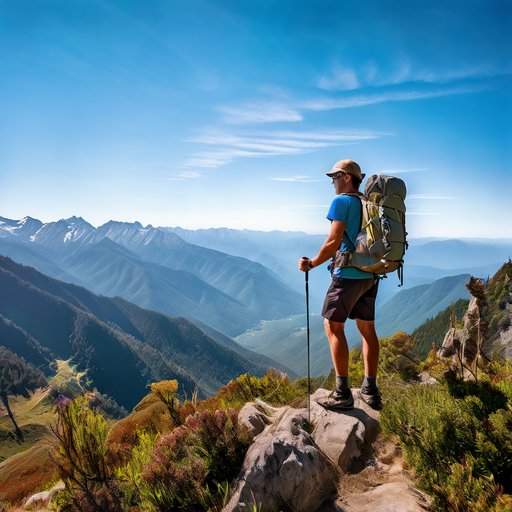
{"x": 17, "y": 377}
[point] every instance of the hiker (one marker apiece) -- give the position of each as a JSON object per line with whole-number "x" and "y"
{"x": 352, "y": 292}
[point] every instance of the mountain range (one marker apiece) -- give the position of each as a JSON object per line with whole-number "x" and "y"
{"x": 153, "y": 268}
{"x": 411, "y": 307}
{"x": 122, "y": 346}
{"x": 425, "y": 261}
{"x": 238, "y": 283}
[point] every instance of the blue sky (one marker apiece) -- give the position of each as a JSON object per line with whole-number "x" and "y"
{"x": 226, "y": 113}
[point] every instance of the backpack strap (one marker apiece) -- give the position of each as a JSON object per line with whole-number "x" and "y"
{"x": 358, "y": 195}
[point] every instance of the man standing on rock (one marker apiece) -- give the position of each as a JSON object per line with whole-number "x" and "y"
{"x": 351, "y": 294}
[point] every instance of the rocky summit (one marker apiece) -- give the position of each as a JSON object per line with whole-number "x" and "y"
{"x": 300, "y": 465}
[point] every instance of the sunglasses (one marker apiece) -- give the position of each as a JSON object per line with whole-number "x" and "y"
{"x": 337, "y": 176}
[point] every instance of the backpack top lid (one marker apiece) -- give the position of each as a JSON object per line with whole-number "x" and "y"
{"x": 385, "y": 186}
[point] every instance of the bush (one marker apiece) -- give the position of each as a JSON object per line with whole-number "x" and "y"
{"x": 81, "y": 459}
{"x": 166, "y": 391}
{"x": 188, "y": 467}
{"x": 130, "y": 475}
{"x": 458, "y": 439}
{"x": 274, "y": 387}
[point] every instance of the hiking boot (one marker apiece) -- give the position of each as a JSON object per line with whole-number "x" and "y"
{"x": 337, "y": 401}
{"x": 371, "y": 397}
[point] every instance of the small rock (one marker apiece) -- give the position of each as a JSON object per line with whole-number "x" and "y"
{"x": 43, "y": 498}
{"x": 255, "y": 417}
{"x": 388, "y": 497}
{"x": 426, "y": 378}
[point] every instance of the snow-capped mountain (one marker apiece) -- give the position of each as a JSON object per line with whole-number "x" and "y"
{"x": 75, "y": 231}
{"x": 63, "y": 231}
{"x": 24, "y": 228}
{"x": 153, "y": 267}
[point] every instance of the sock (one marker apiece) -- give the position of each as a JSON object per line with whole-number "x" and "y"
{"x": 342, "y": 384}
{"x": 369, "y": 384}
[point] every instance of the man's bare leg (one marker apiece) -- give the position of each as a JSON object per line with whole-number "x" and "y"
{"x": 370, "y": 343}
{"x": 369, "y": 390}
{"x": 341, "y": 398}
{"x": 335, "y": 332}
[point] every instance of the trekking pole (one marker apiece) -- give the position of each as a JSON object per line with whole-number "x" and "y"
{"x": 307, "y": 335}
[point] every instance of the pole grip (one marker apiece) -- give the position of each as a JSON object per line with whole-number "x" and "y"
{"x": 307, "y": 271}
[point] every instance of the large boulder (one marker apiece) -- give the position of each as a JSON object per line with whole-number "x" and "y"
{"x": 296, "y": 465}
{"x": 342, "y": 435}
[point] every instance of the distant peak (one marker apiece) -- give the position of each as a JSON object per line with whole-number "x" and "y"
{"x": 28, "y": 218}
{"x": 111, "y": 223}
{"x": 77, "y": 220}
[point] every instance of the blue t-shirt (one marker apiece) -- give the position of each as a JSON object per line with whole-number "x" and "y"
{"x": 348, "y": 209}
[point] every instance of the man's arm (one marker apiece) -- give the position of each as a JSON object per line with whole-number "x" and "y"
{"x": 331, "y": 244}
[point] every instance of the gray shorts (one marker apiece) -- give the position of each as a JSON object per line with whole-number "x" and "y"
{"x": 350, "y": 298}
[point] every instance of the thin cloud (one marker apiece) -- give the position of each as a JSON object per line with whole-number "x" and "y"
{"x": 406, "y": 73}
{"x": 399, "y": 171}
{"x": 419, "y": 85}
{"x": 185, "y": 175}
{"x": 362, "y": 100}
{"x": 229, "y": 146}
{"x": 422, "y": 214}
{"x": 338, "y": 136}
{"x": 293, "y": 110}
{"x": 260, "y": 112}
{"x": 339, "y": 79}
{"x": 265, "y": 144}
{"x": 429, "y": 197}
{"x": 342, "y": 78}
{"x": 295, "y": 179}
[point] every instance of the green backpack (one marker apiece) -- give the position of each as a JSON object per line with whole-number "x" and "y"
{"x": 382, "y": 240}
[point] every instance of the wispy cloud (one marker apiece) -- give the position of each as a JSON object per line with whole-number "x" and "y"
{"x": 185, "y": 175}
{"x": 228, "y": 146}
{"x": 423, "y": 214}
{"x": 369, "y": 74}
{"x": 293, "y": 110}
{"x": 430, "y": 197}
{"x": 295, "y": 179}
{"x": 259, "y": 112}
{"x": 373, "y": 98}
{"x": 399, "y": 171}
{"x": 334, "y": 136}
{"x": 339, "y": 79}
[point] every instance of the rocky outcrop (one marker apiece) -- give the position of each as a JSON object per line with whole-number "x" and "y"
{"x": 465, "y": 345}
{"x": 294, "y": 464}
{"x": 486, "y": 329}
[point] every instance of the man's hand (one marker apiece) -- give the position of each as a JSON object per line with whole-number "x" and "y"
{"x": 304, "y": 264}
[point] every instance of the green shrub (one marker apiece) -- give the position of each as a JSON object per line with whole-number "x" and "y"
{"x": 466, "y": 491}
{"x": 458, "y": 438}
{"x": 274, "y": 387}
{"x": 130, "y": 475}
{"x": 81, "y": 459}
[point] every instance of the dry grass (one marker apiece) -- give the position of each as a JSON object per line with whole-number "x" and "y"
{"x": 27, "y": 472}
{"x": 33, "y": 414}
